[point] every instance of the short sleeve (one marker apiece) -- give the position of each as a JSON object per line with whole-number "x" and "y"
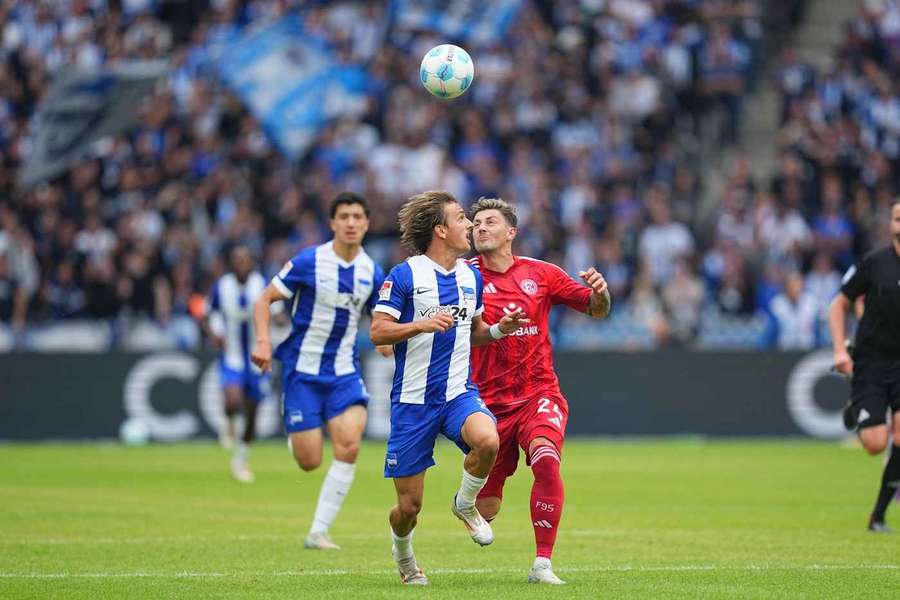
{"x": 565, "y": 290}
{"x": 377, "y": 282}
{"x": 856, "y": 280}
{"x": 479, "y": 291}
{"x": 292, "y": 274}
{"x": 395, "y": 291}
{"x": 214, "y": 311}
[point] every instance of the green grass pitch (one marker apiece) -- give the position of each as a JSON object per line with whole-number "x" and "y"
{"x": 643, "y": 519}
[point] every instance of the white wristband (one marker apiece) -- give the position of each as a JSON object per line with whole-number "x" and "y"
{"x": 496, "y": 333}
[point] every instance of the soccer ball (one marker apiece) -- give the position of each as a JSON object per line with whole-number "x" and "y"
{"x": 447, "y": 71}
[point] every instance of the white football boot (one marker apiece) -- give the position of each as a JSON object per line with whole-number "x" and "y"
{"x": 410, "y": 572}
{"x": 542, "y": 572}
{"x": 319, "y": 541}
{"x": 241, "y": 472}
{"x": 479, "y": 529}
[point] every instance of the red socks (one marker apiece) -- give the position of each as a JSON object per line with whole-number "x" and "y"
{"x": 546, "y": 498}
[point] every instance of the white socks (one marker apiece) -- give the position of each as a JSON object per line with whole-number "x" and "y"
{"x": 241, "y": 451}
{"x": 334, "y": 489}
{"x": 468, "y": 490}
{"x": 403, "y": 544}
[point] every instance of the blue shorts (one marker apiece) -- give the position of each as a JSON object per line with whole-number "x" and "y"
{"x": 415, "y": 427}
{"x": 254, "y": 386}
{"x": 310, "y": 402}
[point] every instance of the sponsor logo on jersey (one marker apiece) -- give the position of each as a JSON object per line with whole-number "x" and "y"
{"x": 421, "y": 290}
{"x": 490, "y": 289}
{"x": 459, "y": 313}
{"x": 348, "y": 300}
{"x": 525, "y": 331}
{"x": 529, "y": 286}
{"x": 385, "y": 292}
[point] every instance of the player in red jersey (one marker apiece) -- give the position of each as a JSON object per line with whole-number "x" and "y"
{"x": 515, "y": 375}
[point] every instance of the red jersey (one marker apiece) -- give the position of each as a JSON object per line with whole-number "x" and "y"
{"x": 520, "y": 366}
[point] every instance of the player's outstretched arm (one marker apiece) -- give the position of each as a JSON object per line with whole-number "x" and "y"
{"x": 483, "y": 334}
{"x": 600, "y": 302}
{"x": 837, "y": 313}
{"x": 262, "y": 351}
{"x": 386, "y": 331}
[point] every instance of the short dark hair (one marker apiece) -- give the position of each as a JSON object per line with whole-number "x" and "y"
{"x": 506, "y": 209}
{"x": 418, "y": 218}
{"x": 348, "y": 198}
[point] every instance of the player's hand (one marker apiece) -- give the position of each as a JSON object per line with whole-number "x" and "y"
{"x": 512, "y": 320}
{"x": 262, "y": 356}
{"x": 386, "y": 351}
{"x": 439, "y": 323}
{"x": 218, "y": 341}
{"x": 843, "y": 364}
{"x": 594, "y": 280}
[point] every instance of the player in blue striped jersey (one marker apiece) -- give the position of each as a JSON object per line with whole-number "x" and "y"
{"x": 327, "y": 289}
{"x": 429, "y": 308}
{"x": 229, "y": 319}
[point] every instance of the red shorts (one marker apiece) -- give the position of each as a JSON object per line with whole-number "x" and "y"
{"x": 545, "y": 415}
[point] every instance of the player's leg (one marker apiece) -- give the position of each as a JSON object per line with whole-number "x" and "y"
{"x": 410, "y": 450}
{"x": 890, "y": 478}
{"x": 252, "y": 395}
{"x": 542, "y": 436}
{"x": 232, "y": 399}
{"x": 871, "y": 393}
{"x": 472, "y": 426}
{"x": 345, "y": 431}
{"x": 403, "y": 518}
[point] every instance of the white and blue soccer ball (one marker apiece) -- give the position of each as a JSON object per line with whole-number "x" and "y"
{"x": 447, "y": 71}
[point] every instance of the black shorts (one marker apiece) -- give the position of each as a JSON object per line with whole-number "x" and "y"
{"x": 875, "y": 388}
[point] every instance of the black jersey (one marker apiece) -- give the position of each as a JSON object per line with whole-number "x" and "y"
{"x": 877, "y": 277}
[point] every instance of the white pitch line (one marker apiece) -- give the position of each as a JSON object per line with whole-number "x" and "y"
{"x": 439, "y": 571}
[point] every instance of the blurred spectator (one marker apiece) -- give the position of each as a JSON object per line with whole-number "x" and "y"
{"x": 795, "y": 312}
{"x": 683, "y": 297}
{"x": 664, "y": 240}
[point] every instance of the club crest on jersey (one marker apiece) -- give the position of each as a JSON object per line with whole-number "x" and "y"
{"x": 467, "y": 293}
{"x": 529, "y": 286}
{"x": 390, "y": 460}
{"x": 385, "y": 292}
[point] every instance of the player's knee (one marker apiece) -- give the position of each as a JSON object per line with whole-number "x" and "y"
{"x": 307, "y": 462}
{"x": 874, "y": 445}
{"x": 486, "y": 444}
{"x": 347, "y": 451}
{"x": 488, "y": 507}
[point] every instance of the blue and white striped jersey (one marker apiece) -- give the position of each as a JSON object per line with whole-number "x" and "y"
{"x": 327, "y": 296}
{"x": 231, "y": 316}
{"x": 432, "y": 368}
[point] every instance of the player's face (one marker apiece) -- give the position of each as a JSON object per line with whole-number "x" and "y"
{"x": 895, "y": 222}
{"x": 491, "y": 231}
{"x": 350, "y": 224}
{"x": 241, "y": 263}
{"x": 458, "y": 227}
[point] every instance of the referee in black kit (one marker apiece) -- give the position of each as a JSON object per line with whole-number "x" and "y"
{"x": 875, "y": 364}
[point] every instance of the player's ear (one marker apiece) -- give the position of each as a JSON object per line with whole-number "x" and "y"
{"x": 511, "y": 233}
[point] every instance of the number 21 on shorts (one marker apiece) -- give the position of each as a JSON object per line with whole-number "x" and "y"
{"x": 555, "y": 416}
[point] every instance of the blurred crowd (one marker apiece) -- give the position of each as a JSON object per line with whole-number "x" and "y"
{"x": 586, "y": 116}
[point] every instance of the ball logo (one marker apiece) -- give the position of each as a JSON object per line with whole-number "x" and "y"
{"x": 529, "y": 287}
